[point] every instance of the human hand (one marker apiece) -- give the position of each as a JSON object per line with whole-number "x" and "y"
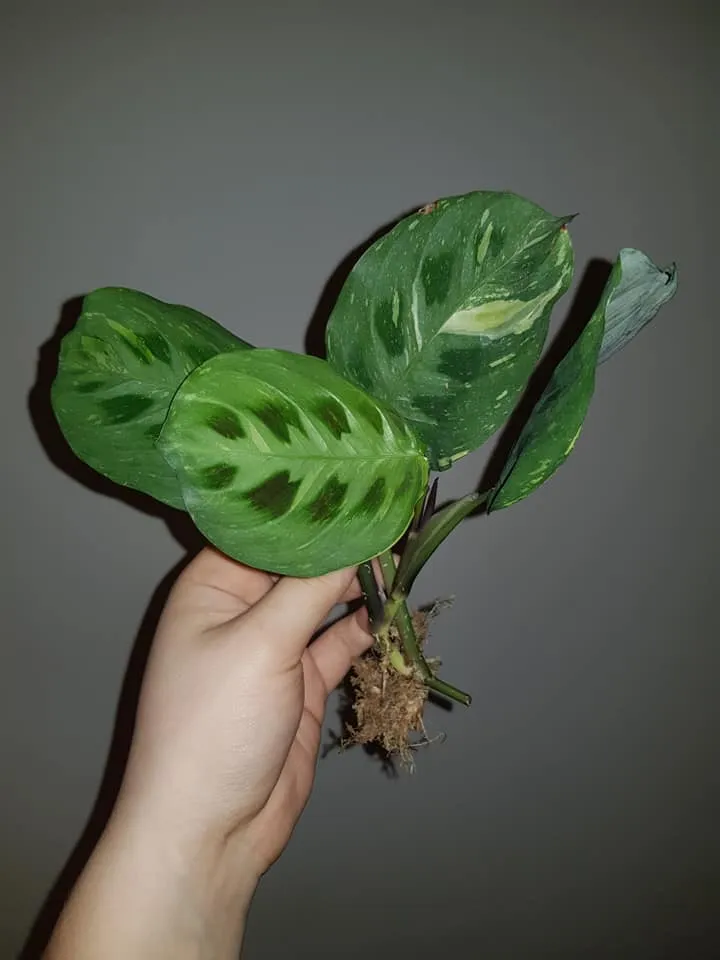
{"x": 222, "y": 762}
{"x": 230, "y": 716}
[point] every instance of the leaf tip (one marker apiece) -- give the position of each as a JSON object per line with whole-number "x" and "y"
{"x": 564, "y": 221}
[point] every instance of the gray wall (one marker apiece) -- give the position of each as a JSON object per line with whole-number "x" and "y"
{"x": 229, "y": 156}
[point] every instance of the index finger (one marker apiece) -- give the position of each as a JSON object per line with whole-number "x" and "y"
{"x": 294, "y": 608}
{"x": 210, "y": 568}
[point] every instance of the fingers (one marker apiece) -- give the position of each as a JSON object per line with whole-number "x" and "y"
{"x": 287, "y": 616}
{"x": 353, "y": 592}
{"x": 210, "y": 568}
{"x": 335, "y": 650}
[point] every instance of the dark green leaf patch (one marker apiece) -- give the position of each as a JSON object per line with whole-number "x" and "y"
{"x": 374, "y": 497}
{"x": 388, "y": 326}
{"x": 434, "y": 406}
{"x": 278, "y": 417}
{"x": 275, "y": 495}
{"x": 333, "y": 415}
{"x": 198, "y": 353}
{"x": 436, "y": 275}
{"x": 123, "y": 409}
{"x": 226, "y": 423}
{"x": 462, "y": 363}
{"x": 89, "y": 386}
{"x": 370, "y": 413}
{"x": 158, "y": 347}
{"x": 497, "y": 241}
{"x": 217, "y": 477}
{"x": 328, "y": 502}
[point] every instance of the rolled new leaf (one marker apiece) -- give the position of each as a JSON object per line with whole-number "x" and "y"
{"x": 118, "y": 370}
{"x": 287, "y": 467}
{"x": 643, "y": 290}
{"x": 444, "y": 318}
{"x": 634, "y": 293}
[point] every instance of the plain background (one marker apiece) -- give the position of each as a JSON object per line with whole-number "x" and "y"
{"x": 230, "y": 156}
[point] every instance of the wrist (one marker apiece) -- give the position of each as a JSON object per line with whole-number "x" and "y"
{"x": 186, "y": 851}
{"x": 190, "y": 868}
{"x": 149, "y": 892}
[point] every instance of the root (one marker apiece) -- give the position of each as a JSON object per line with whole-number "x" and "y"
{"x": 388, "y": 706}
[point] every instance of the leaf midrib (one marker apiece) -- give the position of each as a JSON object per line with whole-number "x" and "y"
{"x": 354, "y": 459}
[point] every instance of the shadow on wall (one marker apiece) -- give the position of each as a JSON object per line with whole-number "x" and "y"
{"x": 112, "y": 774}
{"x": 315, "y": 335}
{"x": 183, "y": 530}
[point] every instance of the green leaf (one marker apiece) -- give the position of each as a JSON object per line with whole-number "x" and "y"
{"x": 633, "y": 294}
{"x": 548, "y": 437}
{"x": 424, "y": 542}
{"x": 444, "y": 318}
{"x": 119, "y": 369}
{"x": 287, "y": 467}
{"x": 644, "y": 288}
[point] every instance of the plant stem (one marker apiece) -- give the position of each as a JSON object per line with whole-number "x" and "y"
{"x": 396, "y": 611}
{"x": 406, "y": 629}
{"x": 448, "y": 690}
{"x": 387, "y": 567}
{"x": 371, "y": 595}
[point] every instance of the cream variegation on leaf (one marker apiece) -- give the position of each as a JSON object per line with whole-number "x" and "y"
{"x": 444, "y": 318}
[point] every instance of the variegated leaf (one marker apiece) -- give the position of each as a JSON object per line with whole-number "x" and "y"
{"x": 445, "y": 317}
{"x": 288, "y": 467}
{"x": 119, "y": 368}
{"x": 634, "y": 293}
{"x": 554, "y": 425}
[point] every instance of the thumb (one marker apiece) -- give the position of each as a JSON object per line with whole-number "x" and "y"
{"x": 288, "y": 615}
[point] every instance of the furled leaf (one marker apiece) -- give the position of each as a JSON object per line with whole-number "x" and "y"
{"x": 445, "y": 317}
{"x": 288, "y": 467}
{"x": 633, "y": 294}
{"x": 423, "y": 542}
{"x": 644, "y": 288}
{"x": 119, "y": 369}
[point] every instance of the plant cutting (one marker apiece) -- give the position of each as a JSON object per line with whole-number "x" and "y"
{"x": 300, "y": 466}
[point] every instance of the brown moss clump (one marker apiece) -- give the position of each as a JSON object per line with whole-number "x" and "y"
{"x": 388, "y": 705}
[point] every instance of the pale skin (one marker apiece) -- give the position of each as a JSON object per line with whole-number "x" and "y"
{"x": 222, "y": 763}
